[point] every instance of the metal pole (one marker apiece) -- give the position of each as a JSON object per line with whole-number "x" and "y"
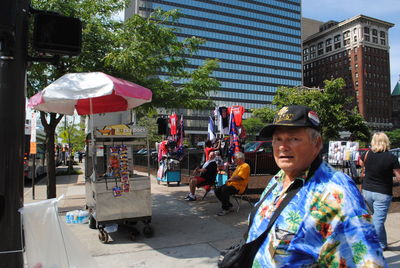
{"x": 33, "y": 175}
{"x": 255, "y": 165}
{"x": 13, "y": 54}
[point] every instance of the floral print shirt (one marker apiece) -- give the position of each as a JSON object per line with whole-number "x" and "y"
{"x": 326, "y": 224}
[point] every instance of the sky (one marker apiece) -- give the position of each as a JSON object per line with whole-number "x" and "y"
{"x": 339, "y": 10}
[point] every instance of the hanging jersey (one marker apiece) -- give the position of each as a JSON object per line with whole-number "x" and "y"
{"x": 173, "y": 122}
{"x": 223, "y": 120}
{"x": 162, "y": 126}
{"x": 237, "y": 112}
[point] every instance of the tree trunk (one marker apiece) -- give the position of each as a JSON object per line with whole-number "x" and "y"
{"x": 50, "y": 129}
{"x": 51, "y": 165}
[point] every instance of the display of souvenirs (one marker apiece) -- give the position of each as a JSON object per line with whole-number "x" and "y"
{"x": 340, "y": 151}
{"x": 119, "y": 169}
{"x": 117, "y": 191}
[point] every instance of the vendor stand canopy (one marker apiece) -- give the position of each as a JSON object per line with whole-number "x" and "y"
{"x": 89, "y": 93}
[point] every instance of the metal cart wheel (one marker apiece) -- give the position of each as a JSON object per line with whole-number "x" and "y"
{"x": 103, "y": 236}
{"x": 148, "y": 231}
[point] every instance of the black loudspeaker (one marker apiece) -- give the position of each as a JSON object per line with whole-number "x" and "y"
{"x": 56, "y": 34}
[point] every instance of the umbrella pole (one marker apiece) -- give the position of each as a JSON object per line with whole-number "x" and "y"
{"x": 92, "y": 142}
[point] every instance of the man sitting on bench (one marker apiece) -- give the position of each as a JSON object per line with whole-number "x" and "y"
{"x": 207, "y": 172}
{"x": 237, "y": 183}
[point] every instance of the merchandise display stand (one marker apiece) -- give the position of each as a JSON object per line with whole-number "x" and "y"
{"x": 171, "y": 172}
{"x": 115, "y": 195}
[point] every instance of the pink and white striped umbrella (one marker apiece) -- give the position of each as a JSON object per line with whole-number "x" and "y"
{"x": 89, "y": 93}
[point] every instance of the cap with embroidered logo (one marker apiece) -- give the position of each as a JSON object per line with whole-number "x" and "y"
{"x": 293, "y": 116}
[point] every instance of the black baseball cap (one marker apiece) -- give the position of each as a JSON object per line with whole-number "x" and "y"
{"x": 293, "y": 116}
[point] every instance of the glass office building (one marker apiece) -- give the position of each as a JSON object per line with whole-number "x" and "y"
{"x": 258, "y": 43}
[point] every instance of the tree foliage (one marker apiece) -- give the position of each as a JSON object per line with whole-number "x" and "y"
{"x": 137, "y": 50}
{"x": 332, "y": 106}
{"x": 394, "y": 137}
{"x": 74, "y": 135}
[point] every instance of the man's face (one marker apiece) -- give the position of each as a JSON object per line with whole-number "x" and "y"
{"x": 294, "y": 150}
{"x": 238, "y": 161}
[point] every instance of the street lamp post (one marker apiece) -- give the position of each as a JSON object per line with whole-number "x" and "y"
{"x": 13, "y": 54}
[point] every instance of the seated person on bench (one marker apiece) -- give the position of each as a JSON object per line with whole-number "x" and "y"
{"x": 207, "y": 174}
{"x": 237, "y": 183}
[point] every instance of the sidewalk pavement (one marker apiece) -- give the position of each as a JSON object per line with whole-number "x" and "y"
{"x": 186, "y": 234}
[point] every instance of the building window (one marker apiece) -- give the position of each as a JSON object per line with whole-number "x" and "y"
{"x": 312, "y": 48}
{"x": 305, "y": 51}
{"x": 354, "y": 30}
{"x": 320, "y": 52}
{"x": 355, "y": 57}
{"x": 337, "y": 45}
{"x": 356, "y": 75}
{"x": 375, "y": 32}
{"x": 382, "y": 34}
{"x": 328, "y": 41}
{"x": 328, "y": 48}
{"x": 366, "y": 38}
{"x": 383, "y": 42}
{"x": 375, "y": 40}
{"x": 346, "y": 42}
{"x": 320, "y": 45}
{"x": 366, "y": 30}
{"x": 336, "y": 38}
{"x": 355, "y": 38}
{"x": 346, "y": 34}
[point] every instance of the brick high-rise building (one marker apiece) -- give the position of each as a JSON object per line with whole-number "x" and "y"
{"x": 357, "y": 50}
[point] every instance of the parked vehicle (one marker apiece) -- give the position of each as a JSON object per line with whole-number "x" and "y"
{"x": 260, "y": 157}
{"x": 396, "y": 152}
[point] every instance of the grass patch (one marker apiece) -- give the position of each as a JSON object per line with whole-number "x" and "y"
{"x": 66, "y": 172}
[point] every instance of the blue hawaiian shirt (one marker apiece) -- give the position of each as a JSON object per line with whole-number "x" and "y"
{"x": 326, "y": 224}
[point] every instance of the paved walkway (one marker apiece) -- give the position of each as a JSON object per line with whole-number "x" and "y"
{"x": 187, "y": 234}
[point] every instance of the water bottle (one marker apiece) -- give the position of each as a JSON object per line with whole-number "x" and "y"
{"x": 75, "y": 216}
{"x": 83, "y": 216}
{"x": 68, "y": 217}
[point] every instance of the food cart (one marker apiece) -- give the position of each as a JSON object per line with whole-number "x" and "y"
{"x": 115, "y": 194}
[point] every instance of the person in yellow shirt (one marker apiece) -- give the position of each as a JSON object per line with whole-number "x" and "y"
{"x": 237, "y": 183}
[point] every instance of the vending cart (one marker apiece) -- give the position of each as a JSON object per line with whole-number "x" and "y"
{"x": 115, "y": 193}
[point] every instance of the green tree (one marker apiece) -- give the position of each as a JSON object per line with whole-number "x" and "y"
{"x": 394, "y": 137}
{"x": 252, "y": 126}
{"x": 137, "y": 50}
{"x": 332, "y": 106}
{"x": 74, "y": 135}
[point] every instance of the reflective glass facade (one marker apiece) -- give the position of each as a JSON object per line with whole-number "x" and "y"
{"x": 258, "y": 43}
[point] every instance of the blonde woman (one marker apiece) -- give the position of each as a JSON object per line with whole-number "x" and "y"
{"x": 380, "y": 166}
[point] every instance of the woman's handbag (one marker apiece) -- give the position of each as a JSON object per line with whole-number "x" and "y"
{"x": 363, "y": 167}
{"x": 242, "y": 254}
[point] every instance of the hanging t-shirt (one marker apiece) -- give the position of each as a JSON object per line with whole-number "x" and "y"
{"x": 162, "y": 126}
{"x": 223, "y": 120}
{"x": 173, "y": 122}
{"x": 237, "y": 112}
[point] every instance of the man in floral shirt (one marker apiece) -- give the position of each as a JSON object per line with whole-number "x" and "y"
{"x": 326, "y": 224}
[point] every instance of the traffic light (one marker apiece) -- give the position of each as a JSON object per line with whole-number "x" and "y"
{"x": 56, "y": 34}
